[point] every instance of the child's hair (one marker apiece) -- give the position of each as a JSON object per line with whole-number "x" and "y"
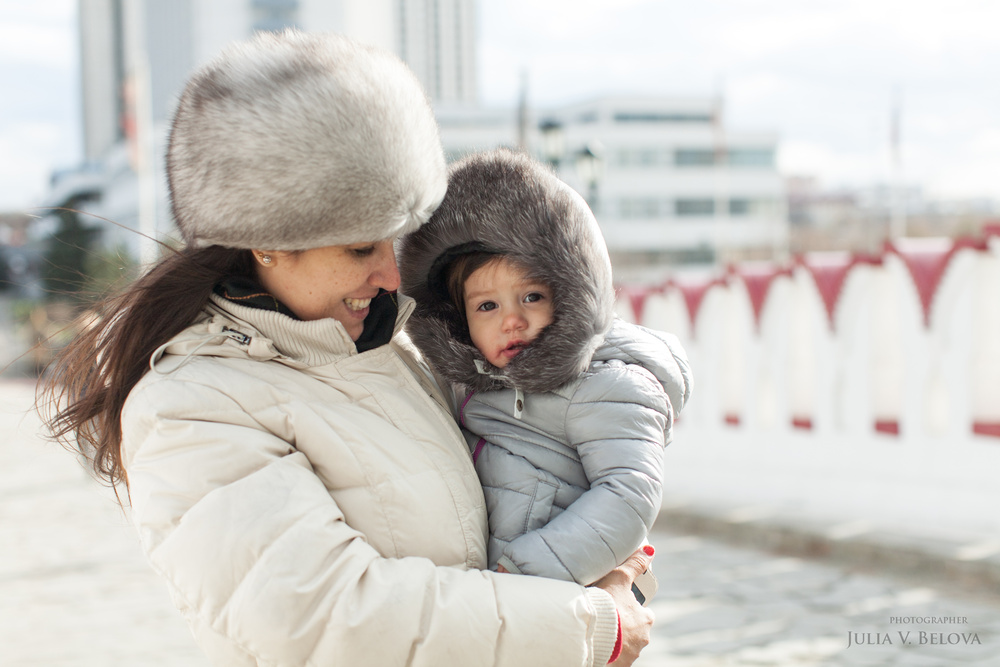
{"x": 461, "y": 269}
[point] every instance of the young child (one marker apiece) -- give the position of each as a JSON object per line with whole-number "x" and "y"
{"x": 567, "y": 410}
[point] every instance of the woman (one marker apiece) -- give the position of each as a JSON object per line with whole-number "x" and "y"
{"x": 293, "y": 470}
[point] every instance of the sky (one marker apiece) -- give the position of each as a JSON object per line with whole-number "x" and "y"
{"x": 39, "y": 97}
{"x": 824, "y": 75}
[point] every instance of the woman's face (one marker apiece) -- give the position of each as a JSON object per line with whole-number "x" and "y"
{"x": 333, "y": 281}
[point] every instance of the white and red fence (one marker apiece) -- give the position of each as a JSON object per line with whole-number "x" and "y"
{"x": 906, "y": 342}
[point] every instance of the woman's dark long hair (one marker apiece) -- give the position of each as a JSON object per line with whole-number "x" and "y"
{"x": 83, "y": 395}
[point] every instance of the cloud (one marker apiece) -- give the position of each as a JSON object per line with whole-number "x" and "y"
{"x": 555, "y": 20}
{"x": 25, "y": 43}
{"x": 28, "y": 149}
{"x": 42, "y": 33}
{"x": 965, "y": 170}
{"x": 835, "y": 167}
{"x": 756, "y": 36}
{"x": 34, "y": 11}
{"x": 970, "y": 170}
{"x": 39, "y": 106}
{"x": 822, "y": 74}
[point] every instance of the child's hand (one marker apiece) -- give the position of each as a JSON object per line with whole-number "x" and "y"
{"x": 501, "y": 568}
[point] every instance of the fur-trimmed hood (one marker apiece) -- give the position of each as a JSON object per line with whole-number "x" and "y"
{"x": 506, "y": 202}
{"x": 293, "y": 140}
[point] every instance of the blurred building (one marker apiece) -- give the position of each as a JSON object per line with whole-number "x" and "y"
{"x": 861, "y": 219}
{"x": 668, "y": 181}
{"x": 435, "y": 37}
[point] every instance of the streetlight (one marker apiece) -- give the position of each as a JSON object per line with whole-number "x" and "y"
{"x": 590, "y": 168}
{"x": 553, "y": 142}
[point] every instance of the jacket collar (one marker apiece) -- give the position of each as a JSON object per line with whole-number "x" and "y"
{"x": 233, "y": 330}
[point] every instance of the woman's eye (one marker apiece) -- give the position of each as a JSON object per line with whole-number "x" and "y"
{"x": 363, "y": 252}
{"x": 487, "y": 306}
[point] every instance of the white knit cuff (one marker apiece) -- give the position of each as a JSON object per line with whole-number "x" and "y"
{"x": 605, "y": 634}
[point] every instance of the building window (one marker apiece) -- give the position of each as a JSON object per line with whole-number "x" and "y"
{"x": 694, "y": 207}
{"x": 733, "y": 157}
{"x": 694, "y": 157}
{"x": 647, "y": 157}
{"x": 741, "y": 207}
{"x": 653, "y": 117}
{"x": 274, "y": 15}
{"x": 643, "y": 157}
{"x": 273, "y": 23}
{"x": 286, "y": 5}
{"x": 640, "y": 207}
{"x": 738, "y": 207}
{"x": 750, "y": 157}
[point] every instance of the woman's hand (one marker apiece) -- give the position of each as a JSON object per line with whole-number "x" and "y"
{"x": 636, "y": 621}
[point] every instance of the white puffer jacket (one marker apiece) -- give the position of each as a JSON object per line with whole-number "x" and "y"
{"x": 310, "y": 505}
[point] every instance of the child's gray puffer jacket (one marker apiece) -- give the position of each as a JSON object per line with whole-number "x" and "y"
{"x": 569, "y": 437}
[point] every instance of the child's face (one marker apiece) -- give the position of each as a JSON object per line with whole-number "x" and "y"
{"x": 505, "y": 310}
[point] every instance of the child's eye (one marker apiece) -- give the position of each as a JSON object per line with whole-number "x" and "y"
{"x": 487, "y": 306}
{"x": 366, "y": 251}
{"x": 533, "y": 297}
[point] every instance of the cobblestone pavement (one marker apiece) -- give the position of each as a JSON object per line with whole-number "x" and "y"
{"x": 75, "y": 590}
{"x": 722, "y": 606}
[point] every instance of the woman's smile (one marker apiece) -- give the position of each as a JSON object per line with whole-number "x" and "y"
{"x": 332, "y": 281}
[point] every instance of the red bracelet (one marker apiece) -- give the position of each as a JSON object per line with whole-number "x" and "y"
{"x": 618, "y": 642}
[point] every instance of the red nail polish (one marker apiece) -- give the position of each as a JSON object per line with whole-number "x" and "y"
{"x": 649, "y": 549}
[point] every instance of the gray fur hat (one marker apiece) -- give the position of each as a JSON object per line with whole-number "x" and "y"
{"x": 508, "y": 203}
{"x": 294, "y": 140}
